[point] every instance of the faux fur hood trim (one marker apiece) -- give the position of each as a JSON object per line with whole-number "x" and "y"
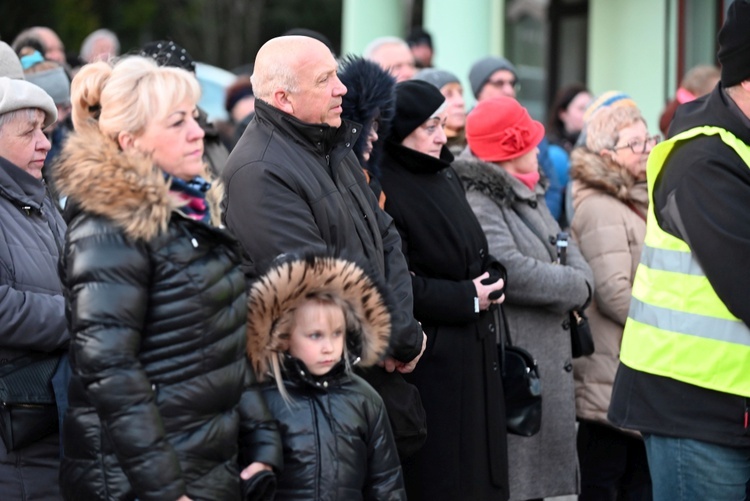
{"x": 370, "y": 90}
{"x": 288, "y": 284}
{"x": 602, "y": 174}
{"x": 126, "y": 188}
{"x": 490, "y": 180}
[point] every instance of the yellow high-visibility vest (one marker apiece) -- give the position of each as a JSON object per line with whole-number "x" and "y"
{"x": 677, "y": 326}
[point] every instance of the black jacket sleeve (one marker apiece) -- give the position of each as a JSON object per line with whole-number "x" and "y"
{"x": 259, "y": 432}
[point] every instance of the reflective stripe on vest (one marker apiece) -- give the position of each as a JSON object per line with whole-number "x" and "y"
{"x": 677, "y": 325}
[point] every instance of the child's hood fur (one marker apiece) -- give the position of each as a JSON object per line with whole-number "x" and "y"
{"x": 127, "y": 188}
{"x": 289, "y": 284}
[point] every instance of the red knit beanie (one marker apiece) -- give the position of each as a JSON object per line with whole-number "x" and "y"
{"x": 501, "y": 129}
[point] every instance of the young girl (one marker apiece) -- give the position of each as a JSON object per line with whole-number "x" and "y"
{"x": 309, "y": 321}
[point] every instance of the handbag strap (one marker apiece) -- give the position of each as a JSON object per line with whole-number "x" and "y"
{"x": 632, "y": 207}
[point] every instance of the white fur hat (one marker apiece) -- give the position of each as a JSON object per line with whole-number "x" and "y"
{"x": 20, "y": 94}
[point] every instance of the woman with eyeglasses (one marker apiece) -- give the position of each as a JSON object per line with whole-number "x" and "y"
{"x": 610, "y": 200}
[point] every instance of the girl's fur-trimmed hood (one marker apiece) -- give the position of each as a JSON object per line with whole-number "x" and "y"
{"x": 290, "y": 283}
{"x": 127, "y": 188}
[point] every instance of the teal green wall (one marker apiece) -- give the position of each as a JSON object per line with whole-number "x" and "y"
{"x": 365, "y": 20}
{"x": 628, "y": 52}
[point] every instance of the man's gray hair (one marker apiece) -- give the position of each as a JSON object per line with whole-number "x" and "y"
{"x": 276, "y": 76}
{"x": 376, "y": 44}
{"x": 87, "y": 47}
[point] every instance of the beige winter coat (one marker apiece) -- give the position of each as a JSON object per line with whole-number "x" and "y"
{"x": 609, "y": 227}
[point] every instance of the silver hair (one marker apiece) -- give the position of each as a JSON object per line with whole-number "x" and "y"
{"x": 275, "y": 76}
{"x": 87, "y": 46}
{"x": 376, "y": 44}
{"x": 30, "y": 114}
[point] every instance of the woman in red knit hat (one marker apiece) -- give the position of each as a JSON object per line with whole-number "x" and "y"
{"x": 504, "y": 190}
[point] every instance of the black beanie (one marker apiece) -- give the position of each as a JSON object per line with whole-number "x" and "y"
{"x": 734, "y": 44}
{"x": 416, "y": 101}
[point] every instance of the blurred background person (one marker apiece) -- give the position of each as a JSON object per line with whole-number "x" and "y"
{"x": 393, "y": 55}
{"x": 42, "y": 38}
{"x": 371, "y": 102}
{"x": 504, "y": 190}
{"x": 100, "y": 45}
{"x": 564, "y": 124}
{"x": 611, "y": 199}
{"x": 32, "y": 307}
{"x": 455, "y": 114}
{"x": 456, "y": 283}
{"x": 10, "y": 64}
{"x": 420, "y": 44}
{"x": 240, "y": 105}
{"x": 162, "y": 399}
{"x": 493, "y": 76}
{"x": 698, "y": 81}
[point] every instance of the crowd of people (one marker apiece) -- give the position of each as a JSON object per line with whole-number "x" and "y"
{"x": 310, "y": 300}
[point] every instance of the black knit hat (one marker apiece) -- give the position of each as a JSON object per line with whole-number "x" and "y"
{"x": 734, "y": 44}
{"x": 416, "y": 101}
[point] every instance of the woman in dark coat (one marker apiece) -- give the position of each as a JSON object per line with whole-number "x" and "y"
{"x": 162, "y": 402}
{"x": 455, "y": 286}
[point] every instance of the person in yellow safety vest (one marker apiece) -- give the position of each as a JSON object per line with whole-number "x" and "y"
{"x": 684, "y": 377}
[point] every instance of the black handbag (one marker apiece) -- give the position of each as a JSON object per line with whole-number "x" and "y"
{"x": 521, "y": 383}
{"x": 581, "y": 339}
{"x": 28, "y": 412}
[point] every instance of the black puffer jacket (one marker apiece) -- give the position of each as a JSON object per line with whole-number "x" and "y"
{"x": 161, "y": 399}
{"x": 337, "y": 441}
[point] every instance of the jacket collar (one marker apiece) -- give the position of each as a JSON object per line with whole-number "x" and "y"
{"x": 716, "y": 109}
{"x": 19, "y": 186}
{"x": 493, "y": 181}
{"x": 417, "y": 162}
{"x": 127, "y": 188}
{"x": 602, "y": 174}
{"x": 321, "y": 138}
{"x": 296, "y": 372}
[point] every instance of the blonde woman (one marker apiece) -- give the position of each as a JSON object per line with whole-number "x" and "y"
{"x": 161, "y": 405}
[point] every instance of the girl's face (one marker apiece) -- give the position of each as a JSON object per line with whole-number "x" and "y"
{"x": 176, "y": 142}
{"x": 318, "y": 336}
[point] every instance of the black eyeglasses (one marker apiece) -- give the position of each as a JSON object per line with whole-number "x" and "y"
{"x": 640, "y": 145}
{"x": 500, "y": 83}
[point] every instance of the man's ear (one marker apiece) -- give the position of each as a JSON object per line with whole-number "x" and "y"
{"x": 126, "y": 140}
{"x": 745, "y": 85}
{"x": 283, "y": 101}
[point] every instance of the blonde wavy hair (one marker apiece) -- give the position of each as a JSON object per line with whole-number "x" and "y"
{"x": 603, "y": 130}
{"x": 126, "y": 94}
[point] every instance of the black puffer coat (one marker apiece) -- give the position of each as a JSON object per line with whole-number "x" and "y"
{"x": 161, "y": 400}
{"x": 337, "y": 441}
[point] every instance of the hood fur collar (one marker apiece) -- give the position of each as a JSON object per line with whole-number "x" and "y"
{"x": 278, "y": 293}
{"x": 602, "y": 174}
{"x": 492, "y": 180}
{"x": 126, "y": 188}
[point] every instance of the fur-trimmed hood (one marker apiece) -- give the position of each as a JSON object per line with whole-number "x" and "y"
{"x": 289, "y": 283}
{"x": 601, "y": 173}
{"x": 127, "y": 188}
{"x": 370, "y": 92}
{"x": 491, "y": 180}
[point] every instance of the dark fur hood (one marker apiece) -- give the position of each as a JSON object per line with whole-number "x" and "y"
{"x": 490, "y": 180}
{"x": 127, "y": 188}
{"x": 601, "y": 174}
{"x": 370, "y": 90}
{"x": 277, "y": 294}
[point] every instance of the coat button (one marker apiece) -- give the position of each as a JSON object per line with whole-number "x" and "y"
{"x": 494, "y": 367}
{"x": 347, "y": 144}
{"x": 354, "y": 130}
{"x": 492, "y": 327}
{"x": 481, "y": 252}
{"x": 532, "y": 204}
{"x": 568, "y": 367}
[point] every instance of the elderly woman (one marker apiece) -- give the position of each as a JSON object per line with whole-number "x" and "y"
{"x": 161, "y": 400}
{"x": 611, "y": 199}
{"x": 455, "y": 283}
{"x": 455, "y": 113}
{"x": 32, "y": 309}
{"x": 503, "y": 188}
